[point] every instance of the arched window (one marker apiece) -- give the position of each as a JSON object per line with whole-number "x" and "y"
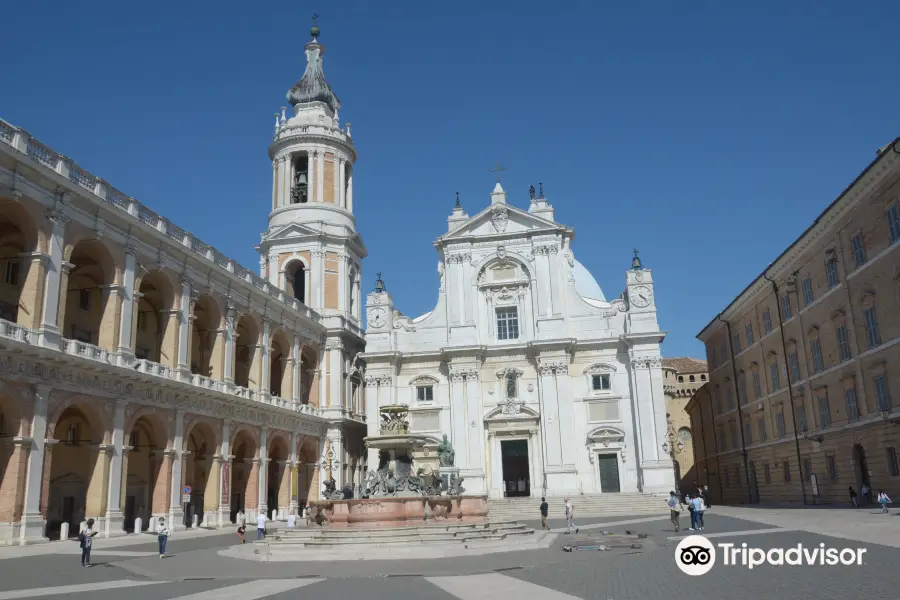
{"x": 692, "y": 379}
{"x": 298, "y": 282}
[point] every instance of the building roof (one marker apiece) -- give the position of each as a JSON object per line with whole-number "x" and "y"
{"x": 312, "y": 87}
{"x": 685, "y": 365}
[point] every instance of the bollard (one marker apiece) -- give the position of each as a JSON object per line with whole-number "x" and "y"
{"x": 274, "y": 514}
{"x": 195, "y": 522}
{"x": 138, "y": 525}
{"x": 154, "y": 523}
{"x": 64, "y": 532}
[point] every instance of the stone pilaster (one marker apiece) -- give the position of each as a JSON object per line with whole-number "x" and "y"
{"x": 114, "y": 524}
{"x": 176, "y": 509}
{"x": 49, "y": 332}
{"x": 126, "y": 325}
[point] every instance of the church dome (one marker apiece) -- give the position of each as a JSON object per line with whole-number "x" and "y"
{"x": 585, "y": 284}
{"x": 312, "y": 87}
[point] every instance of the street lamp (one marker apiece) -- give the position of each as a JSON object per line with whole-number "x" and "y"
{"x": 328, "y": 461}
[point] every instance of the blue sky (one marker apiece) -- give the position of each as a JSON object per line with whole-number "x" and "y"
{"x": 706, "y": 134}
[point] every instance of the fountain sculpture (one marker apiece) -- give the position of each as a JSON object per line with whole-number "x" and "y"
{"x": 398, "y": 493}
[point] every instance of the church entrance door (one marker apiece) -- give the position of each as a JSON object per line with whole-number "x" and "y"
{"x": 516, "y": 480}
{"x": 609, "y": 473}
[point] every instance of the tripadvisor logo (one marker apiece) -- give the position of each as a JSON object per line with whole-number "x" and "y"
{"x": 696, "y": 555}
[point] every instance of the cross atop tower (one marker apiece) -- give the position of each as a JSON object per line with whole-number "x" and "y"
{"x": 497, "y": 169}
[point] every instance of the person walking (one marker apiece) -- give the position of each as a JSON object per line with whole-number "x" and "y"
{"x": 883, "y": 500}
{"x": 240, "y": 532}
{"x": 162, "y": 535}
{"x": 570, "y": 516}
{"x": 704, "y": 494}
{"x": 292, "y": 520}
{"x": 690, "y": 507}
{"x": 240, "y": 519}
{"x": 866, "y": 494}
{"x": 853, "y": 498}
{"x": 701, "y": 508}
{"x": 260, "y": 526}
{"x": 86, "y": 537}
{"x": 674, "y": 510}
{"x": 545, "y": 510}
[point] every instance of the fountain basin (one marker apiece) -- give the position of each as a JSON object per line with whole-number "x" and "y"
{"x": 399, "y": 511}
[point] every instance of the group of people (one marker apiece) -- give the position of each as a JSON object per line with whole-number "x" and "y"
{"x": 570, "y": 515}
{"x": 86, "y": 536}
{"x": 882, "y": 499}
{"x": 697, "y": 503}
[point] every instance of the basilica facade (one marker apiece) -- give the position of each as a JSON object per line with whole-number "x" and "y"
{"x": 144, "y": 374}
{"x": 542, "y": 385}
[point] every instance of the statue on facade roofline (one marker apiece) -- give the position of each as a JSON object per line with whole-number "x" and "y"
{"x": 446, "y": 454}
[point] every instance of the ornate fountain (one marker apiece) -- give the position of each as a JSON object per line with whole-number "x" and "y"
{"x": 397, "y": 492}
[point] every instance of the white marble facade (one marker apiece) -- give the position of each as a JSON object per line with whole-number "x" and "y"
{"x": 523, "y": 362}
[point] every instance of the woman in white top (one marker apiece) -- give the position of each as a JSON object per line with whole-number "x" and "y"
{"x": 292, "y": 520}
{"x": 86, "y": 536}
{"x": 260, "y": 526}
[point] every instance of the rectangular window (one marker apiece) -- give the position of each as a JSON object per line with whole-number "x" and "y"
{"x": 748, "y": 433}
{"x": 818, "y": 362}
{"x": 859, "y": 250}
{"x": 852, "y": 405}
{"x": 893, "y": 463}
{"x": 84, "y": 299}
{"x": 787, "y": 471}
{"x": 763, "y": 434}
{"x": 801, "y": 418}
{"x": 824, "y": 412}
{"x": 807, "y": 469}
{"x": 11, "y": 274}
{"x": 776, "y": 376}
{"x": 742, "y": 381}
{"x": 767, "y": 474}
{"x": 425, "y": 393}
{"x": 831, "y": 273}
{"x": 882, "y": 393}
{"x": 807, "y": 292}
{"x": 795, "y": 366}
{"x": 737, "y": 344}
{"x": 893, "y": 216}
{"x": 767, "y": 321}
{"x": 749, "y": 330}
{"x": 718, "y": 397}
{"x": 873, "y": 337}
{"x": 729, "y": 398}
{"x": 600, "y": 383}
{"x": 507, "y": 323}
{"x": 786, "y": 306}
{"x": 757, "y": 386}
{"x": 779, "y": 424}
{"x": 831, "y": 464}
{"x": 843, "y": 343}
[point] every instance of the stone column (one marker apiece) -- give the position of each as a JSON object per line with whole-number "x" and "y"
{"x": 566, "y": 411}
{"x": 320, "y": 176}
{"x": 342, "y": 182}
{"x": 230, "y": 338}
{"x": 111, "y": 321}
{"x": 184, "y": 329}
{"x": 316, "y": 279}
{"x": 32, "y": 521}
{"x": 336, "y": 373}
{"x": 126, "y": 341}
{"x": 266, "y": 363}
{"x": 295, "y": 370}
{"x": 342, "y": 275}
{"x": 51, "y": 322}
{"x": 458, "y": 417}
{"x": 225, "y": 475}
{"x": 97, "y": 488}
{"x": 45, "y": 479}
{"x": 350, "y": 192}
{"x": 275, "y": 182}
{"x": 285, "y": 181}
{"x": 474, "y": 424}
{"x": 292, "y": 474}
{"x": 550, "y": 415}
{"x": 176, "y": 510}
{"x": 287, "y": 379}
{"x": 310, "y": 179}
{"x": 114, "y": 524}
{"x": 263, "y": 469}
{"x": 336, "y": 180}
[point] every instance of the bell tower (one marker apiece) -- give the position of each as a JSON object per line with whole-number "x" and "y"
{"x": 311, "y": 249}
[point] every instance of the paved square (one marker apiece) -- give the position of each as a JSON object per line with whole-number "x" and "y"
{"x": 196, "y": 571}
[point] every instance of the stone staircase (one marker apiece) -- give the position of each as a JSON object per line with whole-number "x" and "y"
{"x": 442, "y": 533}
{"x": 587, "y": 505}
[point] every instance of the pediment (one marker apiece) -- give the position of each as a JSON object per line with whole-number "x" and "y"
{"x": 68, "y": 479}
{"x": 500, "y": 220}
{"x": 289, "y": 231}
{"x": 511, "y": 410}
{"x": 607, "y": 434}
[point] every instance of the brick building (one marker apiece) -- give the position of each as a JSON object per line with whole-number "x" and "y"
{"x": 682, "y": 379}
{"x": 802, "y": 401}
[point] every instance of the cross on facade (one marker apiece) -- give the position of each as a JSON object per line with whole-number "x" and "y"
{"x": 497, "y": 169}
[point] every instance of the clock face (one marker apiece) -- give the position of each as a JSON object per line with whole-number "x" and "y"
{"x": 376, "y": 317}
{"x": 641, "y": 296}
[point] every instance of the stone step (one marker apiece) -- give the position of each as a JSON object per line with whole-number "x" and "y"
{"x": 460, "y": 527}
{"x": 432, "y": 540}
{"x": 337, "y": 535}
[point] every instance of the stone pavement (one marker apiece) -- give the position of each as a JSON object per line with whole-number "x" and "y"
{"x": 196, "y": 572}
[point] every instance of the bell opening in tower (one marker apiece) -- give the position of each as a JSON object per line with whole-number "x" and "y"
{"x": 300, "y": 185}
{"x": 296, "y": 281}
